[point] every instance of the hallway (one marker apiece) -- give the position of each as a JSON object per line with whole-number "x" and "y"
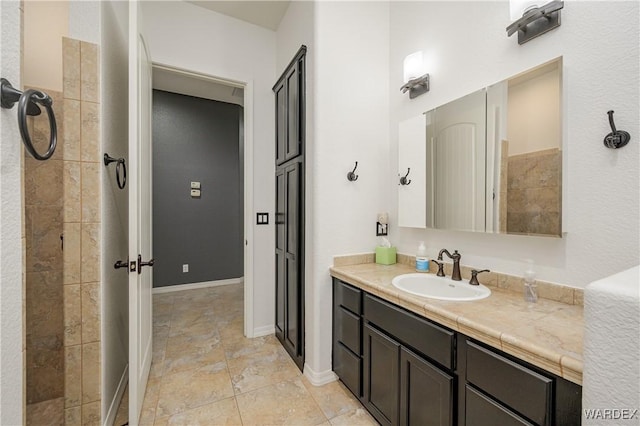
{"x": 204, "y": 372}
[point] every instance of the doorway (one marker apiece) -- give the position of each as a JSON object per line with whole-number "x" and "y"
{"x": 201, "y": 197}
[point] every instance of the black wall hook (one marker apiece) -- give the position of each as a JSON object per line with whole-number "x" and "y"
{"x": 352, "y": 176}
{"x": 27, "y": 105}
{"x": 404, "y": 180}
{"x": 617, "y": 138}
{"x": 120, "y": 167}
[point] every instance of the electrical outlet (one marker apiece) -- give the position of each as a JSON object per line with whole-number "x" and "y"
{"x": 185, "y": 267}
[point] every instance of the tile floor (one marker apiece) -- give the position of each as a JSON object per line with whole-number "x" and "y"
{"x": 205, "y": 372}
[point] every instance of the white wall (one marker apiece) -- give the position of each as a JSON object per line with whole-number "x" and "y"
{"x": 186, "y": 36}
{"x": 114, "y": 62}
{"x": 12, "y": 241}
{"x": 351, "y": 121}
{"x": 601, "y": 68}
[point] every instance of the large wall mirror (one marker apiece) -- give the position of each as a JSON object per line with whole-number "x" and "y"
{"x": 494, "y": 157}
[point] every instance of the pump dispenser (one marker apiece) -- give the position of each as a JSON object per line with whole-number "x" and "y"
{"x": 422, "y": 261}
{"x": 530, "y": 290}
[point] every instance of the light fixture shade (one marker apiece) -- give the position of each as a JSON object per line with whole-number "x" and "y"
{"x": 414, "y": 66}
{"x": 517, "y": 8}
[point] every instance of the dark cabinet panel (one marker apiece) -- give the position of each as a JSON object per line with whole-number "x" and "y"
{"x": 424, "y": 336}
{"x": 514, "y": 385}
{"x": 290, "y": 202}
{"x": 348, "y": 366}
{"x": 348, "y": 297}
{"x": 381, "y": 376}
{"x": 348, "y": 331}
{"x": 426, "y": 392}
{"x": 483, "y": 411}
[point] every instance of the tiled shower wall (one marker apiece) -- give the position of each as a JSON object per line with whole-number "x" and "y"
{"x": 534, "y": 192}
{"x": 43, "y": 200}
{"x": 81, "y": 276}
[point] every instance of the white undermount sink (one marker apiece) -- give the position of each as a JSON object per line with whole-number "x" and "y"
{"x": 443, "y": 288}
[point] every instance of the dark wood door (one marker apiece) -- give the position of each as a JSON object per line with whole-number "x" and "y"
{"x": 381, "y": 376}
{"x": 426, "y": 392}
{"x": 290, "y": 190}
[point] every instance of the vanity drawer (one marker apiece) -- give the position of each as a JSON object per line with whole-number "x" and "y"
{"x": 424, "y": 336}
{"x": 483, "y": 411}
{"x": 347, "y": 329}
{"x": 518, "y": 387}
{"x": 347, "y": 296}
{"x": 348, "y": 367}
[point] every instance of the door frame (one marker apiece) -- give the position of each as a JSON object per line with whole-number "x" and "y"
{"x": 247, "y": 86}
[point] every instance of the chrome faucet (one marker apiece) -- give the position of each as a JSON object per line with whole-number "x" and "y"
{"x": 455, "y": 275}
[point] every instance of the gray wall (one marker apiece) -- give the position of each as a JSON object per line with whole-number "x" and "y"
{"x": 196, "y": 139}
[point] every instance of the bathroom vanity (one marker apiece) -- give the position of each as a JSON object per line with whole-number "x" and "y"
{"x": 412, "y": 360}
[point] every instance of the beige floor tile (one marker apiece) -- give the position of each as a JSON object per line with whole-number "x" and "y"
{"x": 333, "y": 398}
{"x": 358, "y": 417}
{"x": 223, "y": 412}
{"x": 254, "y": 373}
{"x": 191, "y": 359}
{"x": 284, "y": 403}
{"x": 183, "y": 391}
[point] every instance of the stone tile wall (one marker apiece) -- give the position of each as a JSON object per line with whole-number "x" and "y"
{"x": 534, "y": 193}
{"x": 81, "y": 188}
{"x": 43, "y": 200}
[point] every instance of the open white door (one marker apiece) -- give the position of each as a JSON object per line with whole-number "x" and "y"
{"x": 140, "y": 277}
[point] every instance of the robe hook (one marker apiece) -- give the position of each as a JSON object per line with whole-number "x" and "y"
{"x": 352, "y": 176}
{"x": 404, "y": 180}
{"x": 617, "y": 138}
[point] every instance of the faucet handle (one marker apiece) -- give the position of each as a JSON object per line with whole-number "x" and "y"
{"x": 440, "y": 264}
{"x": 474, "y": 276}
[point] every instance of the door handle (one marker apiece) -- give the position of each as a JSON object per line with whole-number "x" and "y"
{"x": 121, "y": 264}
{"x": 141, "y": 263}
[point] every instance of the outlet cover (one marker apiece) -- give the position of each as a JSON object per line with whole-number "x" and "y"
{"x": 185, "y": 267}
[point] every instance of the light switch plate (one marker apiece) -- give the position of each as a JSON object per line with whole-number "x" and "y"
{"x": 262, "y": 218}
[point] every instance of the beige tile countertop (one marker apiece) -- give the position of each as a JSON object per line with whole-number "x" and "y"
{"x": 547, "y": 334}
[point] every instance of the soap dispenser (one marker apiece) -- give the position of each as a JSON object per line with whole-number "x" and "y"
{"x": 422, "y": 261}
{"x": 530, "y": 290}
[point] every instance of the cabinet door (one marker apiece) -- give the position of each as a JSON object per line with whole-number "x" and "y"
{"x": 412, "y": 157}
{"x": 281, "y": 122}
{"x": 294, "y": 141}
{"x": 426, "y": 392}
{"x": 281, "y": 278}
{"x": 381, "y": 376}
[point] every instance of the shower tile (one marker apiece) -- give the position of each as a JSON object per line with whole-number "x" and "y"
{"x": 90, "y": 86}
{"x": 45, "y": 250}
{"x": 90, "y": 372}
{"x": 71, "y": 178}
{"x": 71, "y": 253}
{"x": 71, "y": 68}
{"x": 43, "y": 182}
{"x": 44, "y": 296}
{"x": 71, "y": 134}
{"x": 45, "y": 368}
{"x": 49, "y": 412}
{"x": 73, "y": 416}
{"x": 90, "y": 312}
{"x": 90, "y": 252}
{"x": 90, "y": 192}
{"x": 90, "y": 131}
{"x": 91, "y": 414}
{"x": 73, "y": 376}
{"x": 72, "y": 315}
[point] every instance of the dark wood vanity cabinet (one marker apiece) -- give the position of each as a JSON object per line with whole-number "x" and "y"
{"x": 407, "y": 370}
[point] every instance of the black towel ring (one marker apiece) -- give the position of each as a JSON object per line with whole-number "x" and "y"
{"x": 120, "y": 165}
{"x": 27, "y": 105}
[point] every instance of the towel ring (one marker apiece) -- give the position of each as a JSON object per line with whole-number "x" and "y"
{"x": 27, "y": 105}
{"x": 120, "y": 166}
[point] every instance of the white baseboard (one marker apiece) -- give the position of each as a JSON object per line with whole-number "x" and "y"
{"x": 264, "y": 331}
{"x": 319, "y": 379}
{"x": 193, "y": 286}
{"x": 117, "y": 397}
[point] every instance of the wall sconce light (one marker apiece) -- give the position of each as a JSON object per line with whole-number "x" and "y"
{"x": 415, "y": 77}
{"x": 531, "y": 20}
